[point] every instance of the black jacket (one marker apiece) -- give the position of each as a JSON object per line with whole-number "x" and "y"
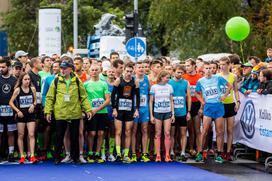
{"x": 266, "y": 87}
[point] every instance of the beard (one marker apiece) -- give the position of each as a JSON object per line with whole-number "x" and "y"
{"x": 4, "y": 72}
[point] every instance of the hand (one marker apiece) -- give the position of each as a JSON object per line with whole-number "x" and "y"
{"x": 152, "y": 119}
{"x": 200, "y": 112}
{"x": 136, "y": 114}
{"x": 48, "y": 118}
{"x": 20, "y": 114}
{"x": 94, "y": 112}
{"x": 222, "y": 98}
{"x": 237, "y": 106}
{"x": 89, "y": 115}
{"x": 259, "y": 91}
{"x": 188, "y": 116}
{"x": 173, "y": 118}
{"x": 31, "y": 108}
{"x": 114, "y": 113}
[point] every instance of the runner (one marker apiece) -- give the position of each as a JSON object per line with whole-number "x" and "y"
{"x": 143, "y": 113}
{"x": 7, "y": 83}
{"x": 162, "y": 99}
{"x": 118, "y": 65}
{"x": 99, "y": 98}
{"x": 231, "y": 107}
{"x": 181, "y": 90}
{"x": 194, "y": 124}
{"x": 209, "y": 88}
{"x": 25, "y": 95}
{"x": 122, "y": 98}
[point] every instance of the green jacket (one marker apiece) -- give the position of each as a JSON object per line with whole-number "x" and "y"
{"x": 66, "y": 110}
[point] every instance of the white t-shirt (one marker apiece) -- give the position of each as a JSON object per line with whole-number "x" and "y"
{"x": 162, "y": 94}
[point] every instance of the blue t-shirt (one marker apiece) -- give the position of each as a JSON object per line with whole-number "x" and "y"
{"x": 144, "y": 94}
{"x": 179, "y": 96}
{"x": 210, "y": 88}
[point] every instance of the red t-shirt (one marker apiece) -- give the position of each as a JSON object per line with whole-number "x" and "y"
{"x": 83, "y": 77}
{"x": 192, "y": 79}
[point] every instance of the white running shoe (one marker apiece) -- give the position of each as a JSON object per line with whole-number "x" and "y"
{"x": 67, "y": 159}
{"x": 103, "y": 157}
{"x": 82, "y": 159}
{"x": 111, "y": 158}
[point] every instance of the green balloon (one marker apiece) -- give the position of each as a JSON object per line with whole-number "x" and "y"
{"x": 237, "y": 28}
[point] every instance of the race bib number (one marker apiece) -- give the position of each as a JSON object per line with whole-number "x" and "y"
{"x": 162, "y": 106}
{"x": 125, "y": 105}
{"x": 192, "y": 90}
{"x": 5, "y": 110}
{"x": 178, "y": 102}
{"x": 97, "y": 102}
{"x": 67, "y": 98}
{"x": 143, "y": 100}
{"x": 26, "y": 101}
{"x": 39, "y": 97}
{"x": 211, "y": 93}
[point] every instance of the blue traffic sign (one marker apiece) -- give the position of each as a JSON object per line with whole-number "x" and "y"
{"x": 135, "y": 47}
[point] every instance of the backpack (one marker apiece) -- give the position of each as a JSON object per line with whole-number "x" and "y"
{"x": 56, "y": 80}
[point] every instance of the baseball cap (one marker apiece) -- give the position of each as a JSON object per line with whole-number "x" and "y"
{"x": 17, "y": 64}
{"x": 247, "y": 65}
{"x": 66, "y": 64}
{"x": 20, "y": 53}
{"x": 106, "y": 65}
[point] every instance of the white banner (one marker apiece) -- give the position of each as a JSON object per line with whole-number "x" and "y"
{"x": 110, "y": 44}
{"x": 253, "y": 122}
{"x": 49, "y": 31}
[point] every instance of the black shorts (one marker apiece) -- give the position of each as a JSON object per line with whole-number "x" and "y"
{"x": 229, "y": 110}
{"x": 162, "y": 116}
{"x": 28, "y": 117}
{"x": 7, "y": 122}
{"x": 125, "y": 116}
{"x": 195, "y": 108}
{"x": 180, "y": 121}
{"x": 97, "y": 123}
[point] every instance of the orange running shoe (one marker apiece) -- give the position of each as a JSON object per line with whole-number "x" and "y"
{"x": 33, "y": 159}
{"x": 205, "y": 154}
{"x": 168, "y": 158}
{"x": 158, "y": 158}
{"x": 22, "y": 160}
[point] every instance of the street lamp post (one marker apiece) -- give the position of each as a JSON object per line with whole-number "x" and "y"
{"x": 75, "y": 27}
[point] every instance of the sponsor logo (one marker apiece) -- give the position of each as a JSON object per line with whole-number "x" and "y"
{"x": 248, "y": 119}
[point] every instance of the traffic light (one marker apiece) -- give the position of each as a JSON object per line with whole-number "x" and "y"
{"x": 131, "y": 25}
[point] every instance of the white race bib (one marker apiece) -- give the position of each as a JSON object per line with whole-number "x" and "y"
{"x": 162, "y": 105}
{"x": 212, "y": 93}
{"x": 143, "y": 100}
{"x": 97, "y": 102}
{"x": 192, "y": 90}
{"x": 67, "y": 98}
{"x": 178, "y": 102}
{"x": 125, "y": 105}
{"x": 39, "y": 97}
{"x": 26, "y": 101}
{"x": 5, "y": 110}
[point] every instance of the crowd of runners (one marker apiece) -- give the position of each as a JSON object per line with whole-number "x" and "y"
{"x": 85, "y": 110}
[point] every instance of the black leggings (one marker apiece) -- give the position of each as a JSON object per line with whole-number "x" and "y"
{"x": 61, "y": 126}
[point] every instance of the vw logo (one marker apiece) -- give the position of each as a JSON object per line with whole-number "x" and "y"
{"x": 248, "y": 119}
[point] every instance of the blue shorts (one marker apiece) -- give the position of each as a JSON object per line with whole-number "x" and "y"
{"x": 214, "y": 110}
{"x": 143, "y": 116}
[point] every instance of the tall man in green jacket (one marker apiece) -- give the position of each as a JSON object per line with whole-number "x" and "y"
{"x": 67, "y": 99}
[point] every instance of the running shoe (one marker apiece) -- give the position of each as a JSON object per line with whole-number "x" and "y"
{"x": 67, "y": 159}
{"x": 111, "y": 158}
{"x": 158, "y": 158}
{"x": 228, "y": 157}
{"x": 199, "y": 157}
{"x": 90, "y": 158}
{"x": 118, "y": 158}
{"x": 11, "y": 158}
{"x": 211, "y": 152}
{"x": 126, "y": 159}
{"x": 82, "y": 159}
{"x": 144, "y": 158}
{"x": 133, "y": 157}
{"x": 22, "y": 160}
{"x": 98, "y": 159}
{"x": 183, "y": 158}
{"x": 219, "y": 159}
{"x": 33, "y": 160}
{"x": 49, "y": 155}
{"x": 205, "y": 155}
{"x": 168, "y": 158}
{"x": 103, "y": 157}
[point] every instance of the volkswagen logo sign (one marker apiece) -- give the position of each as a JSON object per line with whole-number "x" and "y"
{"x": 248, "y": 119}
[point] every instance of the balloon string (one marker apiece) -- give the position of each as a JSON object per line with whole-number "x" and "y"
{"x": 242, "y": 52}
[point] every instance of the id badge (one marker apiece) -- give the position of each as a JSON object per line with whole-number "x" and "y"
{"x": 66, "y": 98}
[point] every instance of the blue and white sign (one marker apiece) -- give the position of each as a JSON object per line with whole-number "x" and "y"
{"x": 136, "y": 47}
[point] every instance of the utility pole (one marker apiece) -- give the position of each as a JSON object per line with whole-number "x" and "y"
{"x": 75, "y": 27}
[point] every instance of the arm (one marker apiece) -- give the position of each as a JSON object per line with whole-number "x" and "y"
{"x": 236, "y": 94}
{"x": 151, "y": 100}
{"x": 45, "y": 90}
{"x": 102, "y": 106}
{"x": 137, "y": 93}
{"x": 189, "y": 102}
{"x": 12, "y": 99}
{"x": 84, "y": 98}
{"x": 50, "y": 99}
{"x": 227, "y": 91}
{"x": 32, "y": 107}
{"x": 172, "y": 108}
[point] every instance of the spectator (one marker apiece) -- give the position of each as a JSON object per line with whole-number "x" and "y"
{"x": 251, "y": 84}
{"x": 269, "y": 55}
{"x": 265, "y": 82}
{"x": 254, "y": 60}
